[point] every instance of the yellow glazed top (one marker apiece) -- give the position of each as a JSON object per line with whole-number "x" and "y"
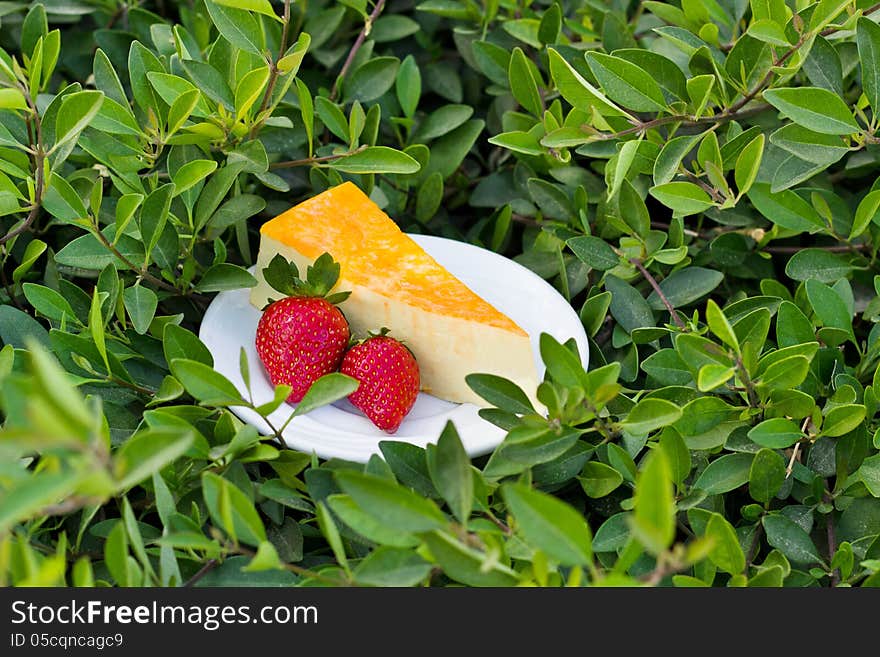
{"x": 373, "y": 252}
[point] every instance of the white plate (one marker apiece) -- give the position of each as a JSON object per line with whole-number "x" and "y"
{"x": 340, "y": 430}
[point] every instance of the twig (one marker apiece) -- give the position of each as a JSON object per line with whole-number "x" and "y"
{"x": 204, "y": 570}
{"x": 273, "y": 71}
{"x": 832, "y": 546}
{"x": 841, "y": 248}
{"x": 368, "y": 25}
{"x": 142, "y": 272}
{"x": 794, "y": 455}
{"x": 684, "y": 120}
{"x": 653, "y": 282}
{"x": 39, "y": 157}
{"x": 754, "y": 402}
{"x": 307, "y": 161}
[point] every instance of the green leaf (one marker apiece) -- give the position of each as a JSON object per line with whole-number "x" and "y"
{"x": 390, "y": 504}
{"x": 178, "y": 342}
{"x": 232, "y": 510}
{"x": 828, "y": 306}
{"x": 141, "y": 303}
{"x": 814, "y": 108}
{"x": 238, "y": 27}
{"x": 841, "y": 420}
{"x": 147, "y": 452}
{"x": 225, "y": 276}
{"x": 776, "y": 433}
{"x": 808, "y": 145}
{"x": 626, "y": 83}
{"x": 389, "y": 566}
{"x": 190, "y": 174}
{"x": 576, "y": 90}
{"x": 430, "y": 197}
{"x": 818, "y": 264}
{"x": 628, "y": 306}
{"x": 500, "y": 392}
{"x": 868, "y": 211}
{"x": 249, "y": 89}
{"x": 748, "y": 163}
{"x": 34, "y": 250}
{"x": 441, "y": 121}
{"x": 523, "y": 84}
{"x": 154, "y": 215}
{"x": 408, "y": 86}
{"x": 260, "y": 6}
{"x": 790, "y": 539}
{"x": 650, "y": 414}
{"x": 450, "y": 469}
{"x": 371, "y": 79}
{"x": 726, "y": 552}
{"x": 725, "y": 473}
{"x": 673, "y": 152}
{"x": 766, "y": 475}
{"x": 594, "y": 251}
{"x": 331, "y": 532}
{"x": 76, "y": 112}
{"x": 653, "y": 519}
{"x": 785, "y": 209}
{"x": 685, "y": 286}
{"x": 718, "y": 324}
{"x": 34, "y": 493}
{"x": 768, "y": 31}
{"x": 204, "y": 383}
{"x": 326, "y": 390}
{"x": 550, "y": 525}
{"x": 598, "y": 479}
{"x": 449, "y": 151}
{"x": 562, "y": 365}
{"x": 12, "y": 99}
{"x": 376, "y": 159}
{"x": 211, "y": 83}
{"x": 465, "y": 564}
{"x": 868, "y": 40}
{"x": 683, "y": 198}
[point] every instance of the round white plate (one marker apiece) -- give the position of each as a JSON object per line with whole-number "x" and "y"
{"x": 340, "y": 430}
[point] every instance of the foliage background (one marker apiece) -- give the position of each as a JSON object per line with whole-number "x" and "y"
{"x": 698, "y": 178}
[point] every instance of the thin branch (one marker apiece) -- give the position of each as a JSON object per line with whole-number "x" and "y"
{"x": 39, "y": 157}
{"x": 653, "y": 282}
{"x": 142, "y": 272}
{"x": 684, "y": 120}
{"x": 832, "y": 544}
{"x": 308, "y": 161}
{"x": 204, "y": 570}
{"x": 273, "y": 71}
{"x": 840, "y": 248}
{"x": 368, "y": 25}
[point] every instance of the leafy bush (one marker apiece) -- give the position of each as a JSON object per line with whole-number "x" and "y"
{"x": 699, "y": 179}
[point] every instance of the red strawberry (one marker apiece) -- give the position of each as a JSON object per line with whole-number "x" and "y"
{"x": 389, "y": 380}
{"x": 302, "y": 337}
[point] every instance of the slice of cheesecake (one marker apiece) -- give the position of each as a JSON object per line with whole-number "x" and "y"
{"x": 394, "y": 283}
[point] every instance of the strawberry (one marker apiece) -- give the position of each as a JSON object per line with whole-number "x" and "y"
{"x": 302, "y": 336}
{"x": 389, "y": 380}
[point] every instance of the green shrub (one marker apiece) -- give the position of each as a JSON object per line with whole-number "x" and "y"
{"x": 699, "y": 180}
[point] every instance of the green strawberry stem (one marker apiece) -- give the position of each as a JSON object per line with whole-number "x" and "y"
{"x": 321, "y": 276}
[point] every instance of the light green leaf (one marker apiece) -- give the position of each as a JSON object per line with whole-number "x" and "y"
{"x": 550, "y": 525}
